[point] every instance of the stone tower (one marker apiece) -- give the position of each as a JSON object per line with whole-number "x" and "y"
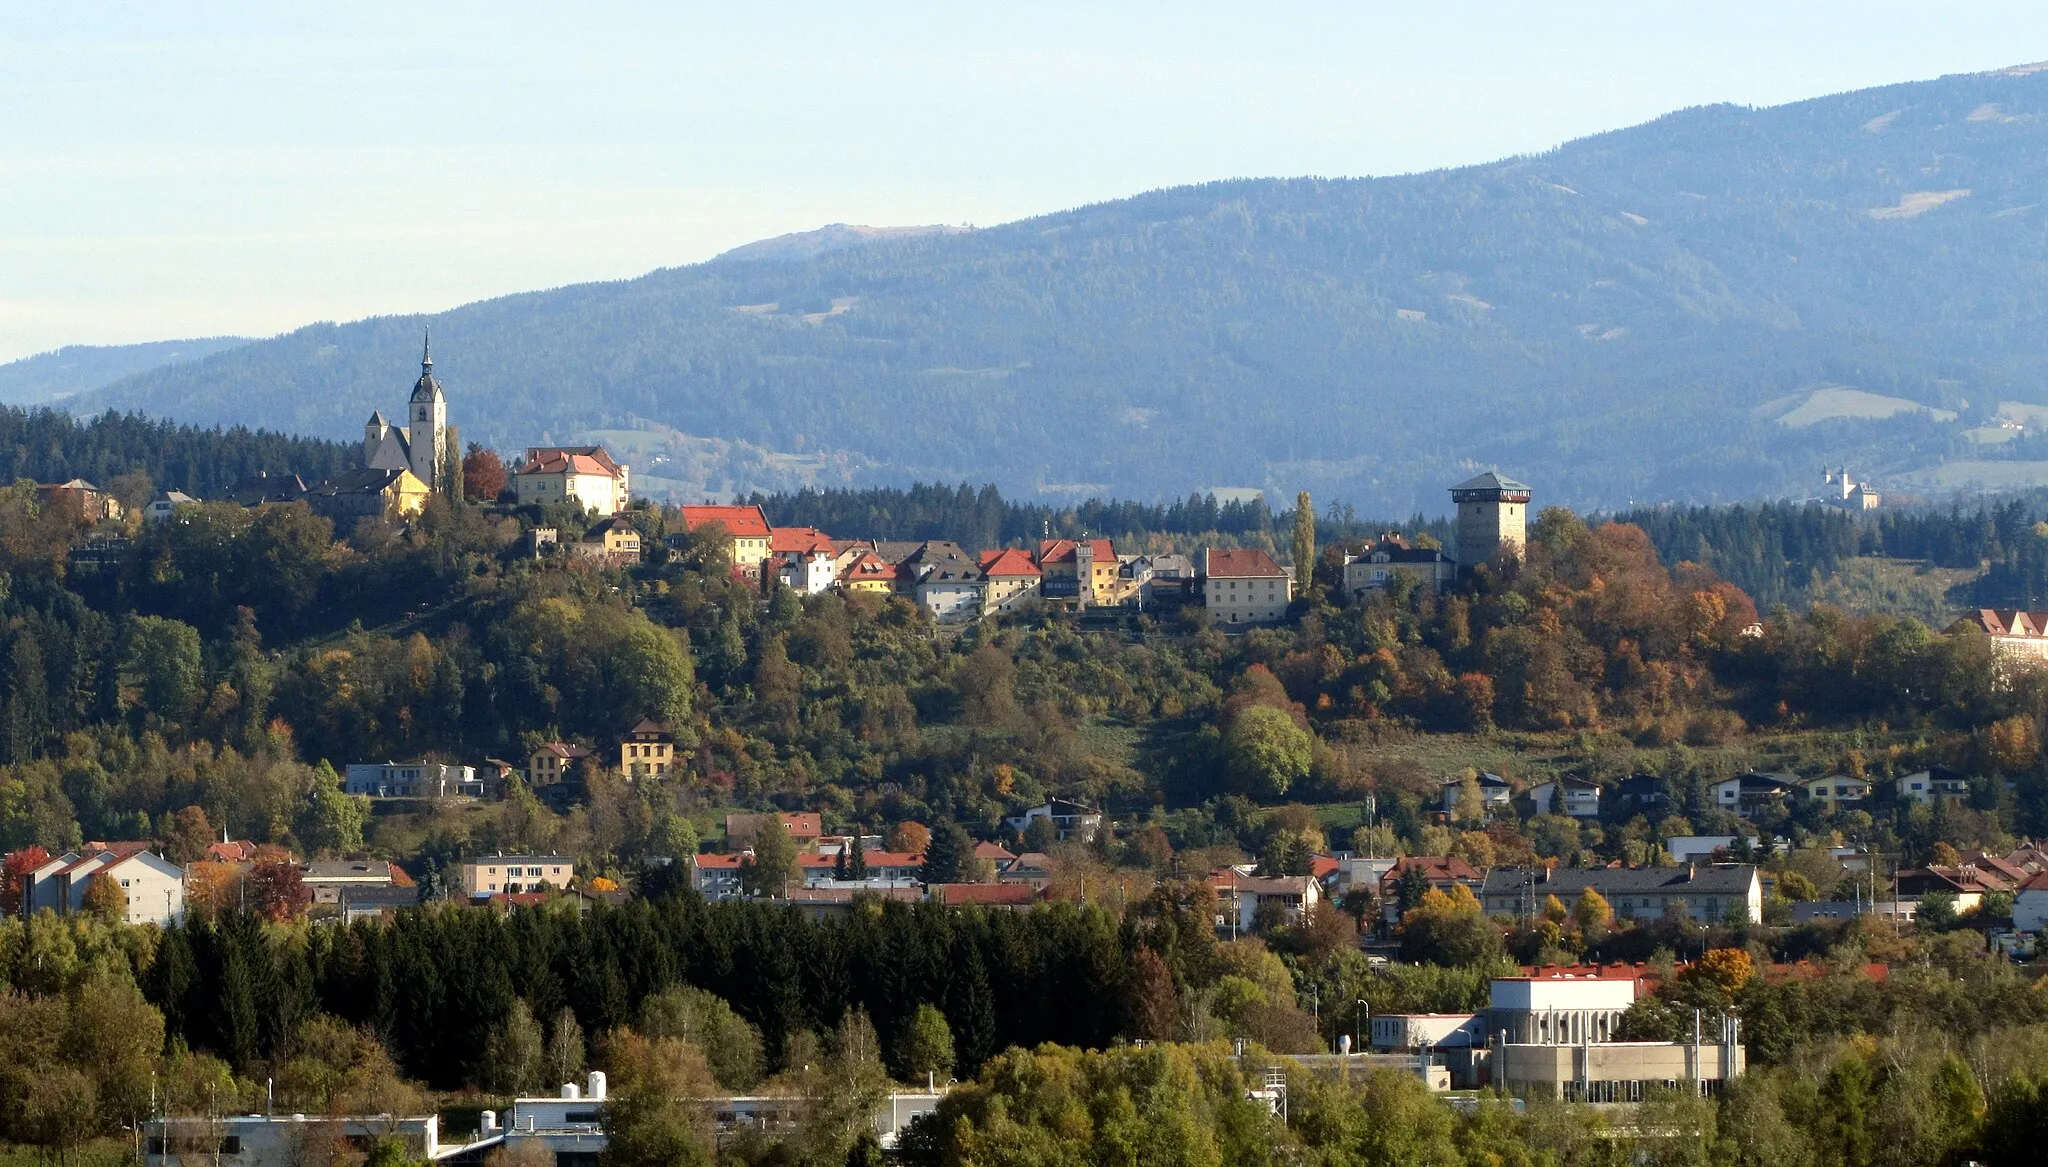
{"x": 427, "y": 429}
{"x": 1493, "y": 517}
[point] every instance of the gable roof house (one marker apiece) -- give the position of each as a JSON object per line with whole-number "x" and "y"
{"x": 585, "y": 475}
{"x": 154, "y": 886}
{"x": 1443, "y": 872}
{"x": 1009, "y": 580}
{"x": 1078, "y": 572}
{"x": 1576, "y": 797}
{"x": 614, "y": 541}
{"x": 2014, "y": 633}
{"x": 1390, "y": 558}
{"x": 264, "y": 487}
{"x": 1748, "y": 793}
{"x": 868, "y": 574}
{"x": 368, "y": 494}
{"x": 944, "y": 580}
{"x": 2030, "y": 904}
{"x": 1934, "y": 782}
{"x": 1495, "y": 793}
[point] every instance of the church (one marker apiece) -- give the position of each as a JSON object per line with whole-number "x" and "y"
{"x": 422, "y": 445}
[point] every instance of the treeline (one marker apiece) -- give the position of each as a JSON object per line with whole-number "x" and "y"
{"x": 49, "y": 446}
{"x": 980, "y": 518}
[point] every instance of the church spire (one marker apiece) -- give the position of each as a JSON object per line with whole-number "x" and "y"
{"x": 427, "y": 350}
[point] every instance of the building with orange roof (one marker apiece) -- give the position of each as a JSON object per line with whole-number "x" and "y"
{"x": 866, "y": 574}
{"x": 1010, "y": 580}
{"x": 746, "y": 525}
{"x": 1243, "y": 585}
{"x": 586, "y": 475}
{"x": 1014, "y": 896}
{"x": 1082, "y": 572}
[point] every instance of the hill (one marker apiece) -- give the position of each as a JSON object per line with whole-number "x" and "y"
{"x": 81, "y": 368}
{"x": 1667, "y": 312}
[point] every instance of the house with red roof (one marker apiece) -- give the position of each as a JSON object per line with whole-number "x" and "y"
{"x": 746, "y": 525}
{"x": 153, "y": 886}
{"x": 1243, "y": 585}
{"x": 1009, "y": 578}
{"x": 583, "y": 474}
{"x": 1078, "y": 572}
{"x": 1012, "y": 896}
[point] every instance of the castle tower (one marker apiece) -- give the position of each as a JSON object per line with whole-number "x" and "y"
{"x": 1493, "y": 517}
{"x": 427, "y": 431}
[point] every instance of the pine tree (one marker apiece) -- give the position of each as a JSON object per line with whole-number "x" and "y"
{"x": 857, "y": 863}
{"x": 945, "y": 855}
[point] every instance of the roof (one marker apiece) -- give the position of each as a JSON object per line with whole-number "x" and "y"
{"x": 334, "y": 870}
{"x": 1438, "y": 868}
{"x": 1718, "y": 879}
{"x": 1240, "y": 563}
{"x": 1032, "y": 861}
{"x": 556, "y": 462}
{"x": 1761, "y": 783}
{"x": 1280, "y": 885}
{"x": 713, "y": 862}
{"x": 1567, "y": 780}
{"x": 1984, "y": 860}
{"x": 647, "y": 725}
{"x": 1963, "y": 879}
{"x": 1067, "y": 550}
{"x": 563, "y": 750}
{"x": 741, "y": 522}
{"x": 562, "y": 860}
{"x": 599, "y": 453}
{"x": 799, "y": 540}
{"x": 940, "y": 559}
{"x": 868, "y": 565}
{"x": 365, "y": 481}
{"x": 1492, "y": 481}
{"x": 1009, "y": 562}
{"x": 1487, "y": 780}
{"x": 995, "y": 851}
{"x": 992, "y": 894}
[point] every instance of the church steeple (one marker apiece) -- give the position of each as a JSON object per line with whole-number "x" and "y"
{"x": 427, "y": 423}
{"x": 426, "y": 388}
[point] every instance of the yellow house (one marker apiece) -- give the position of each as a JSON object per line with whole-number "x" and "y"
{"x": 648, "y": 750}
{"x": 369, "y": 494}
{"x": 1083, "y": 571}
{"x": 1837, "y": 790}
{"x": 747, "y": 526}
{"x": 552, "y": 763}
{"x": 868, "y": 575}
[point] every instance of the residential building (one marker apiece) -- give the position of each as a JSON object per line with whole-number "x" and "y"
{"x": 615, "y": 541}
{"x": 1070, "y": 820}
{"x": 867, "y": 574}
{"x": 553, "y": 763}
{"x": 1708, "y": 893}
{"x": 1009, "y": 580}
{"x": 553, "y": 474}
{"x": 335, "y": 881}
{"x": 410, "y": 780}
{"x": 716, "y": 877}
{"x": 1747, "y": 794}
{"x": 944, "y": 580}
{"x": 1390, "y": 558}
{"x": 1496, "y": 794}
{"x": 1639, "y": 794}
{"x": 1707, "y": 848}
{"x": 1836, "y": 790}
{"x": 745, "y": 525}
{"x": 1243, "y": 586}
{"x": 1014, "y": 896}
{"x": 1576, "y": 797}
{"x": 1078, "y": 572}
{"x": 154, "y": 886}
{"x": 165, "y": 505}
{"x": 1968, "y": 884}
{"x": 79, "y": 500}
{"x": 2030, "y": 904}
{"x": 368, "y": 494}
{"x": 1493, "y": 518}
{"x": 648, "y": 750}
{"x": 886, "y": 869}
{"x": 2014, "y": 634}
{"x": 486, "y": 875}
{"x": 1033, "y": 868}
{"x": 1934, "y": 782}
{"x": 424, "y": 446}
{"x": 808, "y": 572}
{"x": 1848, "y": 494}
{"x": 1241, "y": 898}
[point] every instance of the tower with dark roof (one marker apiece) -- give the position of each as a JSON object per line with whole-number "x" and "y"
{"x": 427, "y": 425}
{"x": 1493, "y": 519}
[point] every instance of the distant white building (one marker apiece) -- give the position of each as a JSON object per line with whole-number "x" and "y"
{"x": 1569, "y": 796}
{"x": 1070, "y": 819}
{"x": 155, "y": 887}
{"x": 410, "y": 780}
{"x": 164, "y": 506}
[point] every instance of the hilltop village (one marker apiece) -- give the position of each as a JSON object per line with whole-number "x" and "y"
{"x": 764, "y": 820}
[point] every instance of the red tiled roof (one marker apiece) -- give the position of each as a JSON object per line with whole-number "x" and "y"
{"x": 1008, "y": 562}
{"x": 740, "y": 522}
{"x": 1438, "y": 868}
{"x": 597, "y": 455}
{"x": 562, "y": 750}
{"x": 1242, "y": 562}
{"x": 714, "y": 862}
{"x": 1323, "y": 866}
{"x": 994, "y": 894}
{"x": 799, "y": 540}
{"x": 995, "y": 851}
{"x": 869, "y": 566}
{"x": 559, "y": 463}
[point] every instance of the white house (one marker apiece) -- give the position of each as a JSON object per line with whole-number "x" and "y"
{"x": 1239, "y": 898}
{"x": 410, "y": 780}
{"x": 1414, "y": 1031}
{"x": 1243, "y": 585}
{"x": 1495, "y": 794}
{"x": 1701, "y": 848}
{"x": 1936, "y": 782}
{"x": 1560, "y": 1007}
{"x": 1749, "y": 793}
{"x": 586, "y": 475}
{"x": 489, "y": 875}
{"x": 1569, "y": 796}
{"x": 2030, "y": 904}
{"x": 1070, "y": 819}
{"x": 155, "y": 886}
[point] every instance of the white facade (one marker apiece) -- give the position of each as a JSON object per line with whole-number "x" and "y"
{"x": 1577, "y": 799}
{"x": 1412, "y": 1031}
{"x": 809, "y": 572}
{"x": 410, "y": 780}
{"x": 155, "y": 887}
{"x": 512, "y": 874}
{"x": 951, "y": 601}
{"x": 596, "y": 490}
{"x": 1558, "y": 1010}
{"x": 259, "y": 1140}
{"x": 161, "y": 508}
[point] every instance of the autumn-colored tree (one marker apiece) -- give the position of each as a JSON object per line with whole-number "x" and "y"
{"x": 1592, "y": 913}
{"x": 909, "y": 838}
{"x": 187, "y": 836}
{"x": 14, "y": 872}
{"x": 1554, "y": 909}
{"x": 483, "y": 474}
{"x": 106, "y": 898}
{"x": 211, "y": 886}
{"x": 1718, "y": 975}
{"x": 277, "y": 890}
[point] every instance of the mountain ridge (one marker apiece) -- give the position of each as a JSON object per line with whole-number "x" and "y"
{"x": 1600, "y": 319}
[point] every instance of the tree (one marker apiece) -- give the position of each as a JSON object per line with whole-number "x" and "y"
{"x": 1593, "y": 914}
{"x": 483, "y": 474}
{"x": 1449, "y": 929}
{"x": 187, "y": 835}
{"x": 652, "y": 1118}
{"x": 513, "y": 1054}
{"x": 277, "y": 889}
{"x": 1266, "y": 751}
{"x": 731, "y": 1047}
{"x": 927, "y": 1047}
{"x": 332, "y": 822}
{"x": 909, "y": 838}
{"x": 856, "y": 857}
{"x": 946, "y": 855}
{"x": 106, "y": 898}
{"x": 563, "y": 1058}
{"x": 1304, "y": 544}
{"x": 14, "y": 873}
{"x": 772, "y": 864}
{"x": 160, "y": 658}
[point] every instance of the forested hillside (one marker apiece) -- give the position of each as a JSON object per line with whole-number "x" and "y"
{"x": 81, "y": 368}
{"x": 47, "y": 446}
{"x": 1636, "y": 316}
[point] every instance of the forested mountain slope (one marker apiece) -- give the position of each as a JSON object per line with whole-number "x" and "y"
{"x": 82, "y": 368}
{"x": 1641, "y": 315}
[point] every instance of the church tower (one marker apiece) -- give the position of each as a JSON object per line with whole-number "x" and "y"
{"x": 1493, "y": 517}
{"x": 427, "y": 429}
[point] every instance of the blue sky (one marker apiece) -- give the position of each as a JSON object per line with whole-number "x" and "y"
{"x": 197, "y": 169}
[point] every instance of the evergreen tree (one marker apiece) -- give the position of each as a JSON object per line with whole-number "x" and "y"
{"x": 1304, "y": 544}
{"x": 946, "y": 855}
{"x": 857, "y": 862}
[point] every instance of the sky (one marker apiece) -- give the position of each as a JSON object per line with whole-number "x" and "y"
{"x": 239, "y": 168}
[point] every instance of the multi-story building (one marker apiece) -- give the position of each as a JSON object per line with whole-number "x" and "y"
{"x": 746, "y": 526}
{"x": 1391, "y": 558}
{"x": 944, "y": 580}
{"x": 153, "y": 887}
{"x": 614, "y": 540}
{"x": 368, "y": 494}
{"x": 1576, "y": 797}
{"x": 1243, "y": 585}
{"x": 1080, "y": 572}
{"x": 1009, "y": 580}
{"x": 1708, "y": 893}
{"x": 487, "y": 875}
{"x": 553, "y": 763}
{"x": 1836, "y": 790}
{"x": 410, "y": 780}
{"x": 585, "y": 475}
{"x": 648, "y": 750}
